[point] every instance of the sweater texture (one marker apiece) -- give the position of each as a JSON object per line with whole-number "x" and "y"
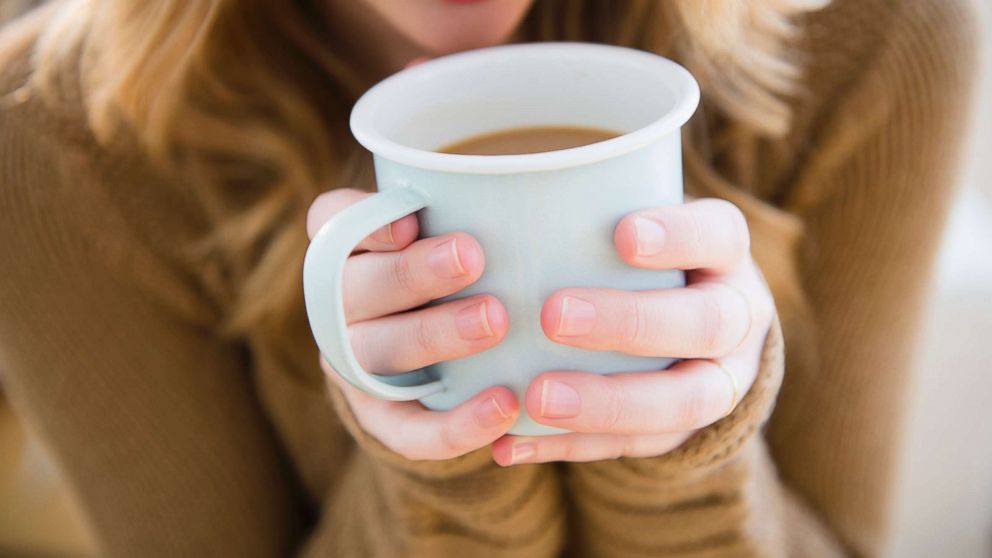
{"x": 180, "y": 441}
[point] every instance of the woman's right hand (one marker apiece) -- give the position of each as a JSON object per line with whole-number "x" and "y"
{"x": 388, "y": 275}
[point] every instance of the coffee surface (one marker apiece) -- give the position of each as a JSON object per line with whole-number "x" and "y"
{"x": 536, "y": 139}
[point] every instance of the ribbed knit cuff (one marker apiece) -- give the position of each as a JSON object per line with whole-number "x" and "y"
{"x": 469, "y": 463}
{"x": 464, "y": 506}
{"x": 716, "y": 444}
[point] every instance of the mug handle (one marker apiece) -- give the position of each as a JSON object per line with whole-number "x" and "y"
{"x": 323, "y": 269}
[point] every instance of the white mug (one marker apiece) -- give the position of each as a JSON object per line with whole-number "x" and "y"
{"x": 545, "y": 220}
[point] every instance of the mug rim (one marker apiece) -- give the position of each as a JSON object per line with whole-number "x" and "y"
{"x": 364, "y": 130}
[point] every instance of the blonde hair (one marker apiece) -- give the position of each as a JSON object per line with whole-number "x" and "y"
{"x": 247, "y": 94}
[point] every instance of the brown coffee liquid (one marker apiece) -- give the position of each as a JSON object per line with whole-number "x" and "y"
{"x": 535, "y": 139}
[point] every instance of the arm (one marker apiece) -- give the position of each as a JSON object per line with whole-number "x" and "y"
{"x": 874, "y": 202}
{"x": 420, "y": 485}
{"x": 689, "y": 481}
{"x": 393, "y": 506}
{"x": 872, "y": 194}
{"x": 716, "y": 495}
{"x": 107, "y": 352}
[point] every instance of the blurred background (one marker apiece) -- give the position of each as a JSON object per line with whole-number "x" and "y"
{"x": 944, "y": 496}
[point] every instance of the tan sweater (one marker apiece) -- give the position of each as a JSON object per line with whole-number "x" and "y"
{"x": 180, "y": 442}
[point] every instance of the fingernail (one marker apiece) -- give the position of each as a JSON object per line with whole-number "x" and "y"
{"x": 443, "y": 260}
{"x": 472, "y": 322}
{"x": 489, "y": 414}
{"x": 649, "y": 236}
{"x": 577, "y": 317}
{"x": 520, "y": 452}
{"x": 384, "y": 234}
{"x": 559, "y": 400}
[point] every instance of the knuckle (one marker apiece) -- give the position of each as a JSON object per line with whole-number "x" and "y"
{"x": 764, "y": 311}
{"x": 369, "y": 424}
{"x": 349, "y": 196}
{"x": 402, "y": 273}
{"x": 367, "y": 348}
{"x": 337, "y": 199}
{"x": 693, "y": 409}
{"x": 741, "y": 315}
{"x": 718, "y": 327}
{"x": 623, "y": 446}
{"x": 399, "y": 441}
{"x": 711, "y": 323}
{"x": 569, "y": 450}
{"x": 358, "y": 339}
{"x": 762, "y": 307}
{"x": 326, "y": 366}
{"x": 613, "y": 407}
{"x": 633, "y": 324}
{"x": 725, "y": 225}
{"x": 740, "y": 239}
{"x": 724, "y": 206}
{"x": 324, "y": 198}
{"x": 330, "y": 197}
{"x": 425, "y": 336}
{"x": 641, "y": 446}
{"x": 316, "y": 214}
{"x": 449, "y": 442}
{"x": 693, "y": 237}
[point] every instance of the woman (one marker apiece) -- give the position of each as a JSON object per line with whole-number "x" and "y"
{"x": 159, "y": 159}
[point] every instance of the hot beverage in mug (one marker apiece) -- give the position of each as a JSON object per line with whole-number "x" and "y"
{"x": 534, "y": 139}
{"x": 537, "y": 151}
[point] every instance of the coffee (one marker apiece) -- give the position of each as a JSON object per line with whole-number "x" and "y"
{"x": 535, "y": 139}
{"x": 545, "y": 220}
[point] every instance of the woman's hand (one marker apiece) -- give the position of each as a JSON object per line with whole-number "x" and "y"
{"x": 718, "y": 322}
{"x": 389, "y": 273}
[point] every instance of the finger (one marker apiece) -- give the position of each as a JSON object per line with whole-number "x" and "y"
{"x": 707, "y": 319}
{"x": 415, "y": 433}
{"x": 516, "y": 450}
{"x": 416, "y": 62}
{"x": 702, "y": 234}
{"x": 411, "y": 340}
{"x": 690, "y": 395}
{"x": 393, "y": 236}
{"x": 381, "y": 283}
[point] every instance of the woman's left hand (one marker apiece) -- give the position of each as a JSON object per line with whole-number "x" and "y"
{"x": 718, "y": 323}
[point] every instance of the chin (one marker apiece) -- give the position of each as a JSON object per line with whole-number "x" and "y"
{"x": 445, "y": 26}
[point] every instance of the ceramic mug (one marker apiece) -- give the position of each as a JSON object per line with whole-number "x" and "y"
{"x": 544, "y": 220}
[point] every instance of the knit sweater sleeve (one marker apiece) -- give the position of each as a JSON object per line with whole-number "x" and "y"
{"x": 392, "y": 506}
{"x": 111, "y": 350}
{"x": 873, "y": 195}
{"x": 716, "y": 495}
{"x": 105, "y": 350}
